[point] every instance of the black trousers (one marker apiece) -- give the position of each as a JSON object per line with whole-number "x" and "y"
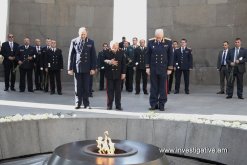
{"x": 141, "y": 73}
{"x": 113, "y": 91}
{"x": 178, "y": 74}
{"x": 230, "y": 85}
{"x": 26, "y": 73}
{"x": 9, "y": 73}
{"x": 55, "y": 75}
{"x": 223, "y": 77}
{"x": 170, "y": 81}
{"x": 38, "y": 77}
{"x": 82, "y": 88}
{"x": 102, "y": 79}
{"x": 45, "y": 82}
{"x": 129, "y": 79}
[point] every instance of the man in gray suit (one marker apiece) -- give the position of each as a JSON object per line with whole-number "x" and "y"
{"x": 236, "y": 59}
{"x": 221, "y": 67}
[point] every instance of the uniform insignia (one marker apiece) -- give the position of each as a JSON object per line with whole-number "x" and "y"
{"x": 168, "y": 39}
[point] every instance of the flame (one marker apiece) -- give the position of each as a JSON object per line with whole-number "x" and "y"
{"x": 105, "y": 145}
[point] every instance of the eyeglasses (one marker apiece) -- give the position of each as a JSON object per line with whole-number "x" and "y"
{"x": 11, "y": 36}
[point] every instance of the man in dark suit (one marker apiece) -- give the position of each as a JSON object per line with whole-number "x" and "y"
{"x": 140, "y": 67}
{"x": 9, "y": 50}
{"x": 236, "y": 59}
{"x": 25, "y": 58}
{"x": 130, "y": 65}
{"x": 45, "y": 82}
{"x": 170, "y": 77}
{"x": 183, "y": 63}
{"x": 221, "y": 67}
{"x": 101, "y": 66}
{"x": 159, "y": 64}
{"x": 54, "y": 65}
{"x": 82, "y": 62}
{"x": 38, "y": 76}
{"x": 115, "y": 72}
{"x": 121, "y": 44}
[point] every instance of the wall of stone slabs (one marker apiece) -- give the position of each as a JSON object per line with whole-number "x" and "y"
{"x": 32, "y": 137}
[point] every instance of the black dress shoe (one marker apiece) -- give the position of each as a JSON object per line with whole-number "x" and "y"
{"x": 228, "y": 97}
{"x": 176, "y": 92}
{"x": 52, "y": 93}
{"x": 152, "y": 109}
{"x": 6, "y": 89}
{"x": 187, "y": 92}
{"x": 240, "y": 97}
{"x": 162, "y": 109}
{"x": 90, "y": 95}
{"x": 137, "y": 93}
{"x": 12, "y": 89}
{"x": 119, "y": 108}
{"x": 59, "y": 93}
{"x": 30, "y": 91}
{"x": 78, "y": 107}
{"x": 156, "y": 106}
{"x": 220, "y": 92}
{"x": 109, "y": 108}
{"x": 87, "y": 107}
{"x": 21, "y": 90}
{"x": 145, "y": 93}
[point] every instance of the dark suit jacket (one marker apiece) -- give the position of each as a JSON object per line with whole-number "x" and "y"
{"x": 220, "y": 59}
{"x": 43, "y": 56}
{"x": 101, "y": 58}
{"x": 23, "y": 54}
{"x": 6, "y": 52}
{"x": 139, "y": 58}
{"x": 183, "y": 61}
{"x": 114, "y": 72}
{"x": 38, "y": 57}
{"x": 54, "y": 60}
{"x": 242, "y": 57}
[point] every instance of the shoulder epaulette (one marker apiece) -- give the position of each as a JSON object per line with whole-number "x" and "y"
{"x": 152, "y": 39}
{"x": 168, "y": 39}
{"x": 188, "y": 48}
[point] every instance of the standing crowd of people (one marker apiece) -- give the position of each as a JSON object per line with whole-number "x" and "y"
{"x": 118, "y": 64}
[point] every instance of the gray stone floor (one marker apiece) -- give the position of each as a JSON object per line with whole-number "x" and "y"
{"x": 202, "y": 100}
{"x": 42, "y": 159}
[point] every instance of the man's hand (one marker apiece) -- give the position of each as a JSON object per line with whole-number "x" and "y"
{"x": 232, "y": 64}
{"x": 169, "y": 72}
{"x": 237, "y": 61}
{"x": 11, "y": 58}
{"x": 92, "y": 72}
{"x": 114, "y": 62}
{"x": 148, "y": 71}
{"x": 134, "y": 68}
{"x": 70, "y": 72}
{"x": 46, "y": 69}
{"x": 30, "y": 58}
{"x": 174, "y": 68}
{"x": 123, "y": 76}
{"x": 20, "y": 62}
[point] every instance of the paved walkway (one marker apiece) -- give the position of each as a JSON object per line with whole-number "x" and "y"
{"x": 203, "y": 100}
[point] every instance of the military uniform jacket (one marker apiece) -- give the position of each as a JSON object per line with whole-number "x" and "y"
{"x": 43, "y": 56}
{"x": 6, "y": 51}
{"x": 139, "y": 59}
{"x": 159, "y": 56}
{"x": 114, "y": 72}
{"x": 183, "y": 60}
{"x": 23, "y": 54}
{"x": 82, "y": 56}
{"x": 130, "y": 56}
{"x": 54, "y": 59}
{"x": 242, "y": 57}
{"x": 100, "y": 59}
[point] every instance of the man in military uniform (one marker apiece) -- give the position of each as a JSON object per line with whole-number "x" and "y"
{"x": 37, "y": 65}
{"x": 236, "y": 59}
{"x": 183, "y": 63}
{"x": 140, "y": 67}
{"x": 130, "y": 65}
{"x": 159, "y": 63}
{"x": 45, "y": 82}
{"x": 9, "y": 50}
{"x": 25, "y": 58}
{"x": 82, "y": 63}
{"x": 115, "y": 72}
{"x": 170, "y": 77}
{"x": 53, "y": 66}
{"x": 101, "y": 66}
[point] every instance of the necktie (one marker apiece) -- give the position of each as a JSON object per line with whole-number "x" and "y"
{"x": 11, "y": 46}
{"x": 223, "y": 58}
{"x": 236, "y": 54}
